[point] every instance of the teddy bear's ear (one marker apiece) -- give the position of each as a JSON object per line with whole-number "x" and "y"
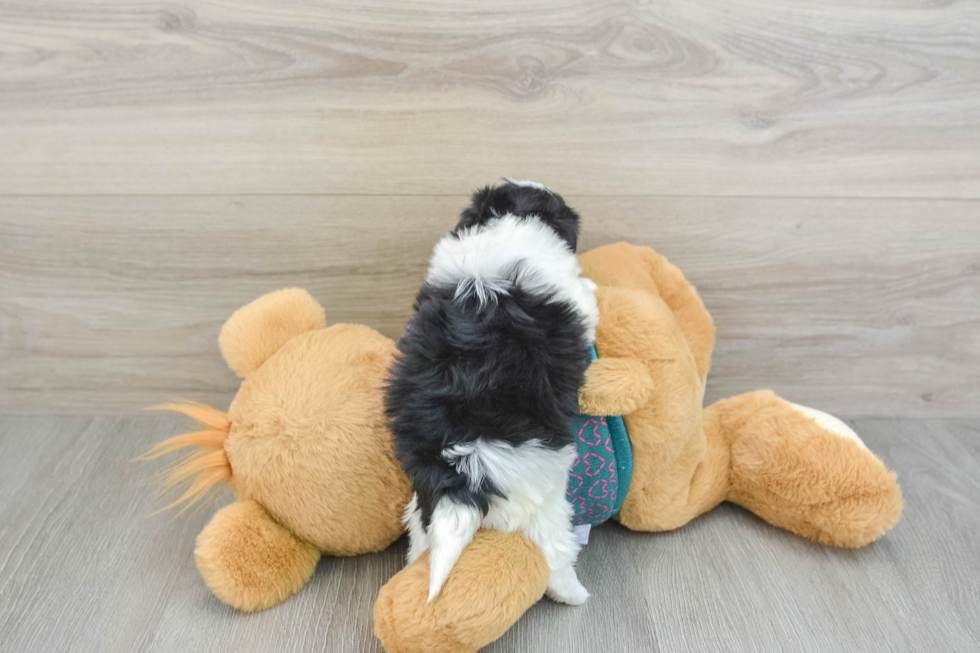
{"x": 257, "y": 330}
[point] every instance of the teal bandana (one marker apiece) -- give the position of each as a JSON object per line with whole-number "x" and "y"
{"x": 603, "y": 467}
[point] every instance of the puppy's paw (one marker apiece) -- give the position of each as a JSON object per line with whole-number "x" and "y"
{"x": 566, "y": 588}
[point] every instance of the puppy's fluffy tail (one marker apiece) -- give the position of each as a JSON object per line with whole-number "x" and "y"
{"x": 451, "y": 529}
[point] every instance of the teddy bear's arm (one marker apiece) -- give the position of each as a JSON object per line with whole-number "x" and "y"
{"x": 615, "y": 386}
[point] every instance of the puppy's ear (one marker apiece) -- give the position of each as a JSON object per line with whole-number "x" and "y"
{"x": 566, "y": 223}
{"x": 550, "y": 208}
{"x": 486, "y": 203}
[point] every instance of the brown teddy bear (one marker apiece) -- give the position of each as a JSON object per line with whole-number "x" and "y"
{"x": 305, "y": 449}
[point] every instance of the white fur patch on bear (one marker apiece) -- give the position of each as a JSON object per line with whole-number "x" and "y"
{"x": 830, "y": 423}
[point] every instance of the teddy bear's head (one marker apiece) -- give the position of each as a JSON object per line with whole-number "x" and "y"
{"x": 308, "y": 438}
{"x": 305, "y": 436}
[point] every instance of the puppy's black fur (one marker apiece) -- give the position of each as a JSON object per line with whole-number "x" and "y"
{"x": 504, "y": 370}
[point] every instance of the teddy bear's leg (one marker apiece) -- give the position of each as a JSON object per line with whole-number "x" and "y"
{"x": 251, "y": 562}
{"x": 804, "y": 470}
{"x": 496, "y": 579}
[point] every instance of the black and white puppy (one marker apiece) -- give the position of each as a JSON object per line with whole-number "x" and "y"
{"x": 481, "y": 398}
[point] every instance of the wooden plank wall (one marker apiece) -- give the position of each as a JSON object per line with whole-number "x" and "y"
{"x": 813, "y": 167}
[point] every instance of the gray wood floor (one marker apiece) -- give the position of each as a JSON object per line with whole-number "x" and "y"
{"x": 84, "y": 566}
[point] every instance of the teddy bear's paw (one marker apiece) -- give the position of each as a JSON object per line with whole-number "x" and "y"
{"x": 615, "y": 386}
{"x": 564, "y": 587}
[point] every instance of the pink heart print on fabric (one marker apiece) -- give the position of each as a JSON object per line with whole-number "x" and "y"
{"x": 600, "y": 493}
{"x": 593, "y": 464}
{"x": 595, "y": 436}
{"x": 598, "y": 512}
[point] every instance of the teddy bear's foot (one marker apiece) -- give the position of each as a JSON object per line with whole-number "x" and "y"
{"x": 804, "y": 470}
{"x": 251, "y": 562}
{"x": 496, "y": 579}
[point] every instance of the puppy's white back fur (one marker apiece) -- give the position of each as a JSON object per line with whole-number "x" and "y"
{"x": 482, "y": 258}
{"x": 533, "y": 479}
